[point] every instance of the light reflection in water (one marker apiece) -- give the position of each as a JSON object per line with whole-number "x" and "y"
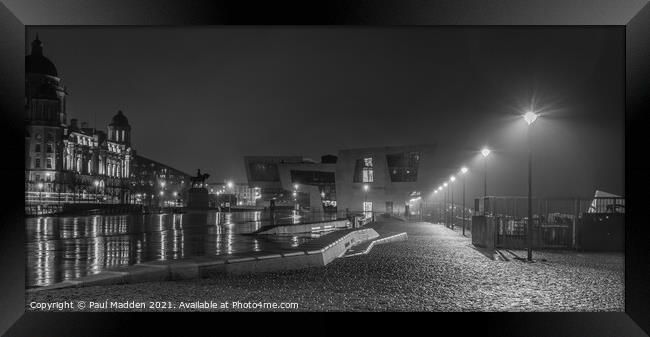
{"x": 63, "y": 248}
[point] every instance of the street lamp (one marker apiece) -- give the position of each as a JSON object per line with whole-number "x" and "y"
{"x": 446, "y": 208}
{"x": 40, "y": 198}
{"x": 451, "y": 180}
{"x": 365, "y": 197}
{"x": 485, "y": 152}
{"x": 229, "y": 184}
{"x": 530, "y": 118}
{"x": 463, "y": 170}
{"x": 96, "y": 183}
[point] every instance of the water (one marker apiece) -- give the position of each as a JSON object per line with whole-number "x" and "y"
{"x": 64, "y": 248}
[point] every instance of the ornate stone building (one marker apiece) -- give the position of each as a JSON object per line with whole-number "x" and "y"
{"x": 69, "y": 162}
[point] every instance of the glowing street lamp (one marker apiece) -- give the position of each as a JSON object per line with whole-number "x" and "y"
{"x": 530, "y": 118}
{"x": 451, "y": 180}
{"x": 463, "y": 171}
{"x": 229, "y": 184}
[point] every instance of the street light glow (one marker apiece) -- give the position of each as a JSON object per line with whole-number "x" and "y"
{"x": 365, "y": 187}
{"x": 452, "y": 178}
{"x": 530, "y": 117}
{"x": 229, "y": 184}
{"x": 40, "y": 186}
{"x": 295, "y": 186}
{"x": 162, "y": 184}
{"x": 96, "y": 182}
{"x": 175, "y": 193}
{"x": 463, "y": 170}
{"x": 445, "y": 184}
{"x": 485, "y": 152}
{"x": 162, "y": 193}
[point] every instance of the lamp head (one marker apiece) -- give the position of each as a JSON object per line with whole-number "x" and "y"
{"x": 366, "y": 187}
{"x": 463, "y": 170}
{"x": 452, "y": 179}
{"x": 485, "y": 152}
{"x": 530, "y": 117}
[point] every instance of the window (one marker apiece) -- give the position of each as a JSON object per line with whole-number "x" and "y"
{"x": 37, "y": 148}
{"x": 403, "y": 167}
{"x": 363, "y": 171}
{"x": 49, "y": 148}
{"x": 37, "y": 163}
{"x": 49, "y": 163}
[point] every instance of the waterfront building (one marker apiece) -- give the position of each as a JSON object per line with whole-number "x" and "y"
{"x": 395, "y": 177}
{"x": 293, "y": 180}
{"x": 156, "y": 184}
{"x": 69, "y": 162}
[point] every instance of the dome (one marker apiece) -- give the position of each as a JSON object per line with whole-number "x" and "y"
{"x": 119, "y": 120}
{"x": 36, "y": 63}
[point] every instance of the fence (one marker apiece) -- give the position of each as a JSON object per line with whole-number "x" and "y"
{"x": 556, "y": 222}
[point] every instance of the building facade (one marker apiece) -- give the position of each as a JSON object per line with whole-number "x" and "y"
{"x": 68, "y": 162}
{"x": 156, "y": 184}
{"x": 384, "y": 179}
{"x": 294, "y": 181}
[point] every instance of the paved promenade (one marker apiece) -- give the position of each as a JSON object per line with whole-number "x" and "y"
{"x": 436, "y": 269}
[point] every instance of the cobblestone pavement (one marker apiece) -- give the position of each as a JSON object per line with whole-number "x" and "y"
{"x": 436, "y": 269}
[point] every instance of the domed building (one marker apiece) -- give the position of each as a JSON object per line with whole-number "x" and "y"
{"x": 69, "y": 163}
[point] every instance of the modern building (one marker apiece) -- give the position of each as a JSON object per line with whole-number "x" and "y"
{"x": 293, "y": 180}
{"x": 156, "y": 184}
{"x": 68, "y": 163}
{"x": 380, "y": 179}
{"x": 394, "y": 177}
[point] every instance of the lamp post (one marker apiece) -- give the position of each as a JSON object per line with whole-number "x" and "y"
{"x": 365, "y": 196}
{"x": 96, "y": 183}
{"x": 229, "y": 184}
{"x": 451, "y": 180}
{"x": 40, "y": 198}
{"x": 463, "y": 170}
{"x": 433, "y": 203}
{"x": 485, "y": 152}
{"x": 530, "y": 118}
{"x": 446, "y": 213}
{"x": 295, "y": 194}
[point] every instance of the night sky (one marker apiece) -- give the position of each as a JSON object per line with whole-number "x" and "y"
{"x": 205, "y": 97}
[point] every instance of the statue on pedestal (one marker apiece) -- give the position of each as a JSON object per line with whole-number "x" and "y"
{"x": 197, "y": 195}
{"x": 199, "y": 180}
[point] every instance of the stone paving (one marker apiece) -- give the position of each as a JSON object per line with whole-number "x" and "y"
{"x": 436, "y": 269}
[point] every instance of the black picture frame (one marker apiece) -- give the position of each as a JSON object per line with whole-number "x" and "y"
{"x": 634, "y": 15}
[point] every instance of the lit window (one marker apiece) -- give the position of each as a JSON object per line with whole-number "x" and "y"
{"x": 49, "y": 163}
{"x": 37, "y": 163}
{"x": 367, "y": 170}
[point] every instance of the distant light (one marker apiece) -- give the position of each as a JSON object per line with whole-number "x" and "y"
{"x": 445, "y": 184}
{"x": 322, "y": 194}
{"x": 175, "y": 193}
{"x": 162, "y": 193}
{"x": 40, "y": 185}
{"x": 162, "y": 184}
{"x": 485, "y": 152}
{"x": 463, "y": 170}
{"x": 229, "y": 184}
{"x": 295, "y": 186}
{"x": 96, "y": 182}
{"x": 452, "y": 178}
{"x": 436, "y": 191}
{"x": 366, "y": 187}
{"x": 530, "y": 117}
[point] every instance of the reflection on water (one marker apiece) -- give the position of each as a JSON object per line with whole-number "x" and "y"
{"x": 63, "y": 248}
